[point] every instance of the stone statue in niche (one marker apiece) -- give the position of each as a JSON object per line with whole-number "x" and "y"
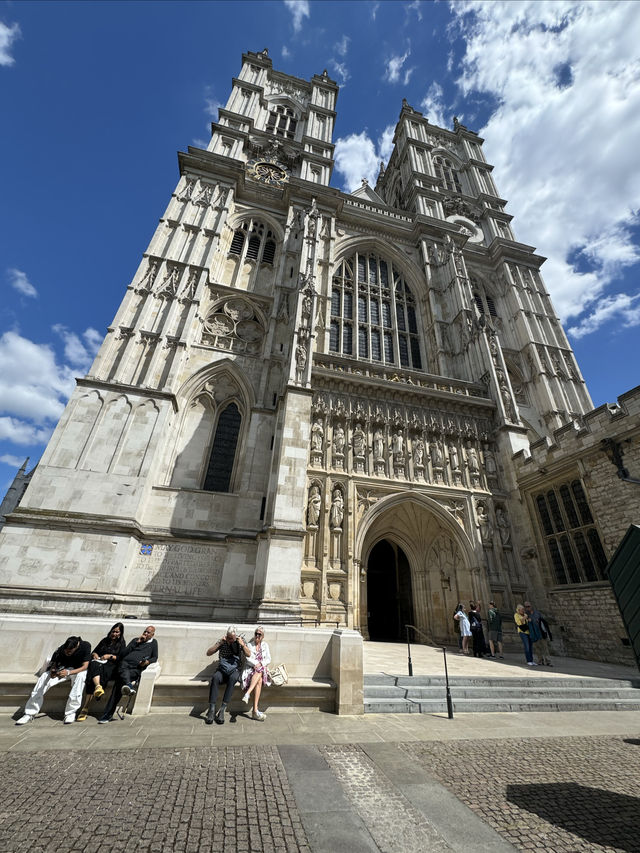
{"x": 504, "y": 527}
{"x": 338, "y": 439}
{"x": 378, "y": 444}
{"x": 314, "y": 505}
{"x": 336, "y": 514}
{"x": 472, "y": 460}
{"x": 453, "y": 457}
{"x": 301, "y": 361}
{"x": 359, "y": 445}
{"x": 486, "y": 527}
{"x": 398, "y": 445}
{"x": 317, "y": 436}
{"x": 437, "y": 456}
{"x": 490, "y": 466}
{"x": 418, "y": 453}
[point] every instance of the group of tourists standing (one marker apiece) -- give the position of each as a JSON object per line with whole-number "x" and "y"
{"x": 532, "y": 628}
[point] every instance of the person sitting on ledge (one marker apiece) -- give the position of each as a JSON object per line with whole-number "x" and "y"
{"x": 136, "y": 658}
{"x": 256, "y": 671}
{"x": 104, "y": 659}
{"x": 229, "y": 648}
{"x": 70, "y": 660}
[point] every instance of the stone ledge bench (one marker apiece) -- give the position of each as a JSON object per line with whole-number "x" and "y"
{"x": 325, "y": 666}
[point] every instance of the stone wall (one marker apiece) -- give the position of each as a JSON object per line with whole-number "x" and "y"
{"x": 588, "y": 622}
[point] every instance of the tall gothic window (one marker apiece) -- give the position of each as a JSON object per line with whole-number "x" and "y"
{"x": 373, "y": 313}
{"x": 282, "y": 122}
{"x": 253, "y": 241}
{"x": 446, "y": 172}
{"x": 484, "y": 303}
{"x": 223, "y": 452}
{"x": 572, "y": 539}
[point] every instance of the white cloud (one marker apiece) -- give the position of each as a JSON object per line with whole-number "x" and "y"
{"x": 286, "y": 53}
{"x": 342, "y": 46}
{"x": 13, "y": 461}
{"x": 21, "y": 432}
{"x": 340, "y": 70}
{"x": 357, "y": 157}
{"x": 394, "y": 66}
{"x": 433, "y": 105}
{"x": 374, "y": 10}
{"x": 8, "y": 34}
{"x": 212, "y": 104}
{"x": 79, "y": 354}
{"x": 19, "y": 281}
{"x": 564, "y": 136}
{"x": 414, "y": 6}
{"x": 621, "y": 305}
{"x": 299, "y": 11}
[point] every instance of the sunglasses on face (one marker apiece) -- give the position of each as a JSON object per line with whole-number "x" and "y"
{"x": 258, "y": 634}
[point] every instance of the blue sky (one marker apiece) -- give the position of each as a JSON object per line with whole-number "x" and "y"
{"x": 96, "y": 98}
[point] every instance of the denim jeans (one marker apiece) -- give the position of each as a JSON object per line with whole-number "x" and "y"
{"x": 528, "y": 647}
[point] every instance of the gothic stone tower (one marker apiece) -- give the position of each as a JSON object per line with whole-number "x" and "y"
{"x": 309, "y": 401}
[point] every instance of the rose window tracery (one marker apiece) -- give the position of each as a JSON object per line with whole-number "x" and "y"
{"x": 235, "y": 327}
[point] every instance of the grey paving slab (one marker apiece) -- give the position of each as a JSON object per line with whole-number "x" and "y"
{"x": 460, "y": 828}
{"x": 338, "y": 832}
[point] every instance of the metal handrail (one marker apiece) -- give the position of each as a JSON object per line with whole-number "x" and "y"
{"x": 446, "y": 671}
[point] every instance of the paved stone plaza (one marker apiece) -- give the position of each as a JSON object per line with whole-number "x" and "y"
{"x": 320, "y": 783}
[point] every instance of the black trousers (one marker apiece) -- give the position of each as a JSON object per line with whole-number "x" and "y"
{"x": 104, "y": 670}
{"x": 129, "y": 672}
{"x": 219, "y": 678}
{"x": 130, "y": 675}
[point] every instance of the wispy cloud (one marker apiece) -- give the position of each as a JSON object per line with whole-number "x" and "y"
{"x": 433, "y": 105}
{"x": 19, "y": 281}
{"x": 394, "y": 67}
{"x": 374, "y": 10}
{"x": 79, "y": 352}
{"x": 621, "y": 306}
{"x": 413, "y": 7}
{"x": 357, "y": 156}
{"x": 8, "y": 35}
{"x": 342, "y": 46}
{"x": 566, "y": 78}
{"x": 286, "y": 53}
{"x": 299, "y": 10}
{"x": 13, "y": 461}
{"x": 212, "y": 103}
{"x": 341, "y": 71}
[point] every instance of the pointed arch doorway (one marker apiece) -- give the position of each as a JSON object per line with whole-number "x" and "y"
{"x": 389, "y": 595}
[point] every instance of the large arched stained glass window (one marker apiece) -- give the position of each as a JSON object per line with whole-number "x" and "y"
{"x": 373, "y": 313}
{"x": 223, "y": 452}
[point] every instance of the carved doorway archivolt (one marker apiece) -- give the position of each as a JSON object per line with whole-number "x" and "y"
{"x": 439, "y": 557}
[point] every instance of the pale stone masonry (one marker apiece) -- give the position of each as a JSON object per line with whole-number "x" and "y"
{"x": 348, "y": 408}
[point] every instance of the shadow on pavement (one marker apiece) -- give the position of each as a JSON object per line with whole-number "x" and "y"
{"x": 594, "y": 814}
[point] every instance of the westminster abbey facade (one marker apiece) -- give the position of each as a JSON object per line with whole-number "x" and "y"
{"x": 351, "y": 408}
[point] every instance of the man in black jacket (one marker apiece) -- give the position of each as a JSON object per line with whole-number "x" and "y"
{"x": 137, "y": 656}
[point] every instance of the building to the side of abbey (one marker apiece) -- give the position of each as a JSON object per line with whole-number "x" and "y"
{"x": 352, "y": 408}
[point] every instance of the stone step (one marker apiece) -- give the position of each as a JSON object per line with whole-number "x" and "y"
{"x": 474, "y": 706}
{"x": 483, "y": 692}
{"x": 405, "y": 681}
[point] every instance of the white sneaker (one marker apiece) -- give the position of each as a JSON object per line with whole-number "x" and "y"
{"x": 530, "y": 663}
{"x": 258, "y": 715}
{"x": 69, "y": 718}
{"x": 246, "y": 698}
{"x": 26, "y": 718}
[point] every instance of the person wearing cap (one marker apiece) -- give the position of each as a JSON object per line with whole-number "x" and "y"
{"x": 229, "y": 648}
{"x": 69, "y": 661}
{"x": 256, "y": 671}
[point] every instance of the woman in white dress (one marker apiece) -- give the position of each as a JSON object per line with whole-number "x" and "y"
{"x": 256, "y": 671}
{"x": 465, "y": 629}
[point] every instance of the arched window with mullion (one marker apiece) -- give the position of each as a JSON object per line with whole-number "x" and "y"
{"x": 373, "y": 313}
{"x": 223, "y": 451}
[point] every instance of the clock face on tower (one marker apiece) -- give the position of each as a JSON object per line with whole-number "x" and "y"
{"x": 268, "y": 172}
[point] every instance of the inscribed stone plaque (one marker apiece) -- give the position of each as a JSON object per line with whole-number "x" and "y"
{"x": 178, "y": 569}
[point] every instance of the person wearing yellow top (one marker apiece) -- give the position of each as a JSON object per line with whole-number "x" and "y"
{"x": 522, "y": 623}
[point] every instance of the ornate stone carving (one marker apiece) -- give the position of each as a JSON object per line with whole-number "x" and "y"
{"x": 504, "y": 526}
{"x": 314, "y": 505}
{"x": 234, "y": 326}
{"x": 336, "y": 513}
{"x": 485, "y": 524}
